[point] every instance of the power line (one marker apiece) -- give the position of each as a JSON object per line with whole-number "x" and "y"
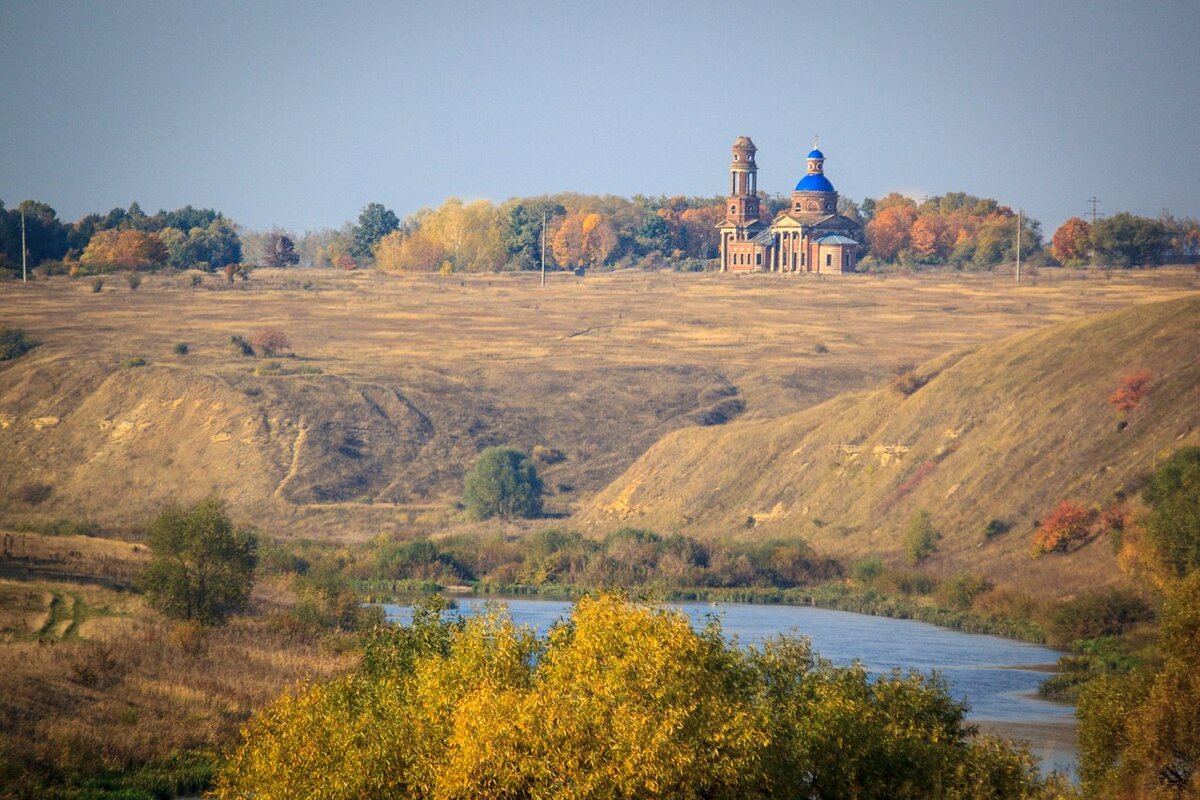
{"x": 1094, "y": 213}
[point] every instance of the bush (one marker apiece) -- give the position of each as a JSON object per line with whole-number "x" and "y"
{"x": 14, "y": 343}
{"x": 203, "y": 568}
{"x": 134, "y": 280}
{"x": 905, "y": 380}
{"x": 1104, "y": 613}
{"x": 868, "y": 569}
{"x": 132, "y": 363}
{"x": 1172, "y": 526}
{"x": 504, "y": 483}
{"x": 97, "y": 285}
{"x": 920, "y": 538}
{"x": 240, "y": 345}
{"x": 994, "y": 528}
{"x": 270, "y": 343}
{"x": 181, "y": 349}
{"x": 1067, "y": 526}
{"x": 34, "y": 493}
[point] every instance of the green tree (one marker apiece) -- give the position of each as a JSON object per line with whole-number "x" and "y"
{"x": 653, "y": 235}
{"x": 504, "y": 483}
{"x": 1173, "y": 524}
{"x": 202, "y": 567}
{"x": 1125, "y": 240}
{"x": 920, "y": 538}
{"x": 374, "y": 222}
{"x": 522, "y": 232}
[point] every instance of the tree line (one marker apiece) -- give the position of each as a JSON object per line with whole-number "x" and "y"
{"x": 573, "y": 231}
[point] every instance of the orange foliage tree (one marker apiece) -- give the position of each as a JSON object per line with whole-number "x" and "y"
{"x": 583, "y": 239}
{"x": 1072, "y": 241}
{"x": 1067, "y": 526}
{"x": 1132, "y": 391}
{"x": 123, "y": 249}
{"x": 891, "y": 231}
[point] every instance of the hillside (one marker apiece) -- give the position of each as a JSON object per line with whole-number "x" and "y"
{"x": 394, "y": 384}
{"x": 998, "y": 432}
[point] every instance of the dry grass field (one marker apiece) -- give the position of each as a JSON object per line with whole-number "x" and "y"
{"x": 397, "y": 382}
{"x": 93, "y": 680}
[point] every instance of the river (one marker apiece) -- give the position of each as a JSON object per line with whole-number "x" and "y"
{"x": 997, "y": 677}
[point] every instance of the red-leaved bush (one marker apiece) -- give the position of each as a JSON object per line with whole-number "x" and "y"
{"x": 1067, "y": 526}
{"x": 1132, "y": 391}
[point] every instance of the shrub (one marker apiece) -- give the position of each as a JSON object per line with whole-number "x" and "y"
{"x": 547, "y": 455}
{"x": 240, "y": 345}
{"x": 1132, "y": 391}
{"x": 821, "y": 348}
{"x": 97, "y": 285}
{"x": 504, "y": 483}
{"x": 203, "y": 568}
{"x": 920, "y": 538}
{"x": 197, "y": 280}
{"x": 994, "y": 528}
{"x": 134, "y": 280}
{"x": 1067, "y": 526}
{"x": 1103, "y": 613}
{"x": 270, "y": 343}
{"x": 905, "y": 380}
{"x": 14, "y": 343}
{"x": 181, "y": 349}
{"x": 34, "y": 493}
{"x": 132, "y": 363}
{"x": 868, "y": 569}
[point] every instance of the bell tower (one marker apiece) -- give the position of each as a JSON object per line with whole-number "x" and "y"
{"x": 743, "y": 184}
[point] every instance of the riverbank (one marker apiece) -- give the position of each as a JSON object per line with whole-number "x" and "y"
{"x": 835, "y": 596}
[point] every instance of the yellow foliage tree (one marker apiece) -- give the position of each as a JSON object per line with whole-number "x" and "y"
{"x": 624, "y": 701}
{"x": 123, "y": 249}
{"x": 584, "y": 239}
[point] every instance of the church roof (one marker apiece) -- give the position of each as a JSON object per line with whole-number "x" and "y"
{"x": 835, "y": 239}
{"x": 766, "y": 237}
{"x": 816, "y": 154}
{"x": 814, "y": 183}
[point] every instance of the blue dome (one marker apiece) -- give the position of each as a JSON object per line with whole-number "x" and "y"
{"x": 814, "y": 183}
{"x": 816, "y": 154}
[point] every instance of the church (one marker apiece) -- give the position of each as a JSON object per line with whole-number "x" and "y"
{"x": 809, "y": 236}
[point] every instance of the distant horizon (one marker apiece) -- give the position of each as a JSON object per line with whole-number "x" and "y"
{"x": 299, "y": 119}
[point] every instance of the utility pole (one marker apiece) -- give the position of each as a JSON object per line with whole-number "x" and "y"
{"x": 543, "y": 248}
{"x": 1094, "y": 213}
{"x": 24, "y": 250}
{"x": 1019, "y": 214}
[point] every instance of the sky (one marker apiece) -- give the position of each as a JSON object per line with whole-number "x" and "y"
{"x": 299, "y": 114}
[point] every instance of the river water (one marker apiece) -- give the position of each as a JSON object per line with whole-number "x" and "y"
{"x": 997, "y": 677}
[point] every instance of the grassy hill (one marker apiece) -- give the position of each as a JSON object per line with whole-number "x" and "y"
{"x": 396, "y": 383}
{"x": 1002, "y": 431}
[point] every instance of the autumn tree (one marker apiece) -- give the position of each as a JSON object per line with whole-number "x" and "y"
{"x": 622, "y": 701}
{"x": 890, "y": 231}
{"x": 1072, "y": 242}
{"x": 583, "y": 239}
{"x": 124, "y": 249}
{"x": 417, "y": 251}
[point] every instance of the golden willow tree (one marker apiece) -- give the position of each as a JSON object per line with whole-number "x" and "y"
{"x": 623, "y": 701}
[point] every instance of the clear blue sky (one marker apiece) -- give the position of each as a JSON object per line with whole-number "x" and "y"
{"x": 300, "y": 114}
